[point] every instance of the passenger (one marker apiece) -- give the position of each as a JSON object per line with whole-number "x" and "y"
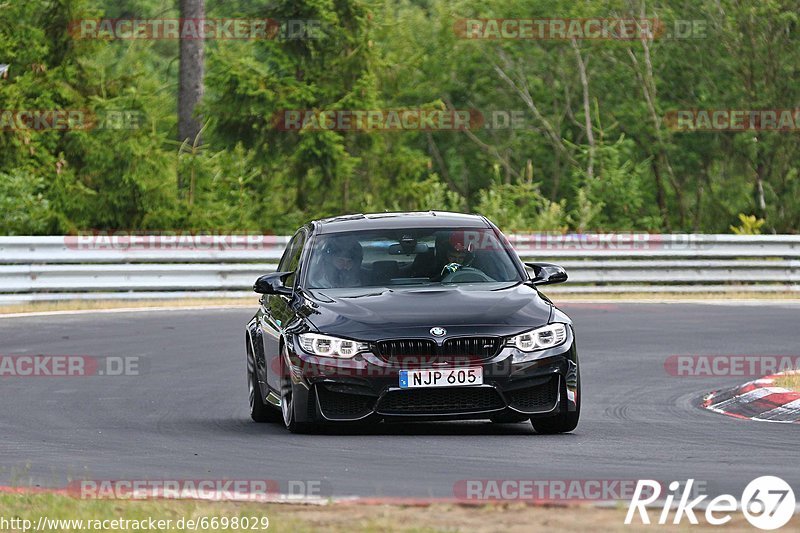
{"x": 341, "y": 263}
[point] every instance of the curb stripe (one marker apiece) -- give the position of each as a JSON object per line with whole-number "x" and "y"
{"x": 789, "y": 412}
{"x": 757, "y": 400}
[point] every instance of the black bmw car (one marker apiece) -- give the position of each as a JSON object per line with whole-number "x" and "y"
{"x": 399, "y": 316}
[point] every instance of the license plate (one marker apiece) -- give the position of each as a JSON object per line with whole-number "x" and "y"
{"x": 450, "y": 377}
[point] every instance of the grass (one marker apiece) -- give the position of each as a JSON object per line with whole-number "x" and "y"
{"x": 790, "y": 380}
{"x": 340, "y": 517}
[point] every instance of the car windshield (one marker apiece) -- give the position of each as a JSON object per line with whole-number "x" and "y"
{"x": 389, "y": 257}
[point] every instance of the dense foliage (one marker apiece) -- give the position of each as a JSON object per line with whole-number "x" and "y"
{"x": 591, "y": 149}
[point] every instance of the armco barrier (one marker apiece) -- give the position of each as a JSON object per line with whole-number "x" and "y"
{"x": 58, "y": 267}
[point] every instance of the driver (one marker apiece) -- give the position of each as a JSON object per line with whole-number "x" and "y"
{"x": 342, "y": 263}
{"x": 458, "y": 254}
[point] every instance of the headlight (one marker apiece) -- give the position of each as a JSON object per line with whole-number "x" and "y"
{"x": 327, "y": 346}
{"x": 541, "y": 338}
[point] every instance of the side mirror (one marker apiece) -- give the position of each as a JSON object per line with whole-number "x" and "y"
{"x": 546, "y": 273}
{"x": 273, "y": 284}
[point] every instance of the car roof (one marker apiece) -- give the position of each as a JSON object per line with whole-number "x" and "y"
{"x": 413, "y": 219}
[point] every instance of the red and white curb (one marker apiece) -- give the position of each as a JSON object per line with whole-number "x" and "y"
{"x": 757, "y": 400}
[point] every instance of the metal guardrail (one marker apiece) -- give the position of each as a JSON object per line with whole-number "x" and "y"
{"x": 111, "y": 248}
{"x": 122, "y": 266}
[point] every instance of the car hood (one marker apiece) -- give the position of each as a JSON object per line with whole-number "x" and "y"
{"x": 374, "y": 313}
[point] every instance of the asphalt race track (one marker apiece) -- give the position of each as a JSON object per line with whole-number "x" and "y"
{"x": 186, "y": 416}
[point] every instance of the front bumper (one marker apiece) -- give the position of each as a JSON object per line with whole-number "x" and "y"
{"x": 367, "y": 386}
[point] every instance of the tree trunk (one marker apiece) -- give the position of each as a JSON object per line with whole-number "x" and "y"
{"x": 761, "y": 203}
{"x": 660, "y": 197}
{"x": 190, "y": 85}
{"x": 587, "y": 111}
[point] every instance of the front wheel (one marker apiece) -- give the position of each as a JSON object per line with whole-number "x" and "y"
{"x": 288, "y": 405}
{"x": 259, "y": 411}
{"x": 563, "y": 422}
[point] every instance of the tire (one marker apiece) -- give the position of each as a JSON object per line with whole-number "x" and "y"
{"x": 563, "y": 422}
{"x": 288, "y": 407}
{"x": 259, "y": 411}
